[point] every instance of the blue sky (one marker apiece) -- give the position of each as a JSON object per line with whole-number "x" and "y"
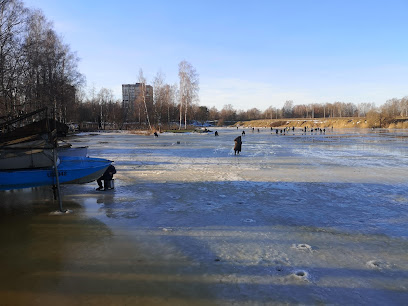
{"x": 247, "y": 53}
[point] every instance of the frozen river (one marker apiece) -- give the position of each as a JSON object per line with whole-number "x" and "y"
{"x": 295, "y": 219}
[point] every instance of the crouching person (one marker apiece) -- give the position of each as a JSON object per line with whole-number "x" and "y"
{"x": 107, "y": 178}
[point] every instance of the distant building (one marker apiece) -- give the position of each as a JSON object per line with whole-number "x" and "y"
{"x": 132, "y": 96}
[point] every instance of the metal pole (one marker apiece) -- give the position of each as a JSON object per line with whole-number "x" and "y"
{"x": 54, "y": 151}
{"x": 57, "y": 179}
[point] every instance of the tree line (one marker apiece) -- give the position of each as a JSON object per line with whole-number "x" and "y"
{"x": 393, "y": 108}
{"x": 38, "y": 69}
{"x": 154, "y": 106}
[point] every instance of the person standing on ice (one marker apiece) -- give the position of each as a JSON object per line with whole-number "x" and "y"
{"x": 238, "y": 144}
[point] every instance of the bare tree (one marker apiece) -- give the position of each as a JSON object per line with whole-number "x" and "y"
{"x": 51, "y": 75}
{"x": 169, "y": 104}
{"x": 189, "y": 87}
{"x": 105, "y": 97}
{"x": 142, "y": 82}
{"x": 12, "y": 23}
{"x": 404, "y": 106}
{"x": 364, "y": 108}
{"x": 391, "y": 108}
{"x": 228, "y": 113}
{"x": 287, "y": 109}
{"x": 159, "y": 96}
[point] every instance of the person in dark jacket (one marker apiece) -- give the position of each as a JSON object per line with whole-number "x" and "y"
{"x": 106, "y": 177}
{"x": 238, "y": 144}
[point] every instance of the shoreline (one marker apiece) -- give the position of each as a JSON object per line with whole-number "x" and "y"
{"x": 338, "y": 123}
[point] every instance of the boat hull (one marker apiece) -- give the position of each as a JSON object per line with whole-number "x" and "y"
{"x": 70, "y": 171}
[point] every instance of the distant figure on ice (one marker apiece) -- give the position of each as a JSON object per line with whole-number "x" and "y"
{"x": 243, "y": 133}
{"x": 216, "y": 133}
{"x": 238, "y": 144}
{"x": 107, "y": 178}
{"x": 155, "y": 134}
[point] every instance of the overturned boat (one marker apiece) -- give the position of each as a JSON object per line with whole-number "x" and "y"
{"x": 71, "y": 170}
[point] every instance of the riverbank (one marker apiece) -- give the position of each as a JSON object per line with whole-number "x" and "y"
{"x": 337, "y": 123}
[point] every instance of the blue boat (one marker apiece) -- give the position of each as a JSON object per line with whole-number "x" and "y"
{"x": 71, "y": 170}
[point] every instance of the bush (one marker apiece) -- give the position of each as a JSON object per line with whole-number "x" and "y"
{"x": 373, "y": 119}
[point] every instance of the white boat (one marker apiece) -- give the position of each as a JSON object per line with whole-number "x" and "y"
{"x": 73, "y": 151}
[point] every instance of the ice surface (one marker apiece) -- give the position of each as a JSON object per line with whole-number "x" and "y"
{"x": 299, "y": 218}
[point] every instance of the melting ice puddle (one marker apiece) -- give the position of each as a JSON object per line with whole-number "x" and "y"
{"x": 302, "y": 247}
{"x": 377, "y": 264}
{"x": 300, "y": 275}
{"x": 249, "y": 220}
